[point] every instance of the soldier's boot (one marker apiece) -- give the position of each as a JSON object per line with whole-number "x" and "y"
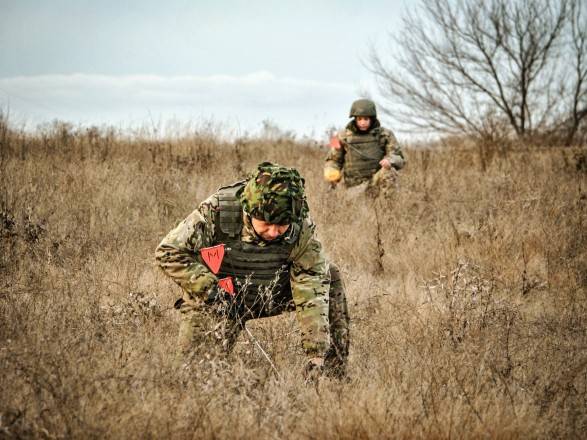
{"x": 335, "y": 362}
{"x": 203, "y": 333}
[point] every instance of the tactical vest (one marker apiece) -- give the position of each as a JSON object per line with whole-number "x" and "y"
{"x": 362, "y": 155}
{"x": 260, "y": 273}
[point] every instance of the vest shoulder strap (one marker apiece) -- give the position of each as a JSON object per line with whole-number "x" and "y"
{"x": 229, "y": 214}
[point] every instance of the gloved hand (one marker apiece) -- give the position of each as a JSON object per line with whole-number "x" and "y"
{"x": 313, "y": 370}
{"x": 332, "y": 175}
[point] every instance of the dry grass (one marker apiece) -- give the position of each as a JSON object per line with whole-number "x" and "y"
{"x": 475, "y": 328}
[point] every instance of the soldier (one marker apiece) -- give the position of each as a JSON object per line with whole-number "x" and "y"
{"x": 256, "y": 240}
{"x": 364, "y": 152}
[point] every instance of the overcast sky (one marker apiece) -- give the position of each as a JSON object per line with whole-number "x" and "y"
{"x": 298, "y": 64}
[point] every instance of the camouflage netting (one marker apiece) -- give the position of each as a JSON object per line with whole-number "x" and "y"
{"x": 275, "y": 194}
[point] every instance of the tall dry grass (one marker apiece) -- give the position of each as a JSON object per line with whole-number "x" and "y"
{"x": 475, "y": 327}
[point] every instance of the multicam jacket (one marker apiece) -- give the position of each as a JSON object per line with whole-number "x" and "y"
{"x": 360, "y": 152}
{"x": 300, "y": 254}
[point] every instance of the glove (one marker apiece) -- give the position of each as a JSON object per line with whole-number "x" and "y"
{"x": 332, "y": 175}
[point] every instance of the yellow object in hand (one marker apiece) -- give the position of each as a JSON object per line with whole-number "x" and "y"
{"x": 332, "y": 174}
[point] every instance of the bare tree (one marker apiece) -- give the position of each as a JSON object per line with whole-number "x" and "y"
{"x": 578, "y": 54}
{"x": 491, "y": 68}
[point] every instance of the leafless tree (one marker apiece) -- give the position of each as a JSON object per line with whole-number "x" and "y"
{"x": 577, "y": 117}
{"x": 492, "y": 68}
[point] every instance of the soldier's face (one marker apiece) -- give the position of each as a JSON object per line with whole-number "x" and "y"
{"x": 363, "y": 122}
{"x": 268, "y": 231}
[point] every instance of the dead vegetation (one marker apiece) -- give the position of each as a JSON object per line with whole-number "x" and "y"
{"x": 474, "y": 328}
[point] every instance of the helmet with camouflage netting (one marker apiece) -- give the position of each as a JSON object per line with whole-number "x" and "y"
{"x": 363, "y": 107}
{"x": 275, "y": 194}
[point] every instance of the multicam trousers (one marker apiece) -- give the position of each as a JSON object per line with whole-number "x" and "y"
{"x": 384, "y": 181}
{"x": 210, "y": 330}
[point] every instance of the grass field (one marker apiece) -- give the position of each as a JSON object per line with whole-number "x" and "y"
{"x": 467, "y": 294}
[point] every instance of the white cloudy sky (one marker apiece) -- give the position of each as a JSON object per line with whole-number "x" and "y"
{"x": 236, "y": 62}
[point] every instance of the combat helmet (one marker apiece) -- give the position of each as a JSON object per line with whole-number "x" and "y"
{"x": 275, "y": 194}
{"x": 363, "y": 107}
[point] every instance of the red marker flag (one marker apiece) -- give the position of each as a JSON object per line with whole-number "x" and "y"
{"x": 226, "y": 284}
{"x": 213, "y": 256}
{"x": 335, "y": 142}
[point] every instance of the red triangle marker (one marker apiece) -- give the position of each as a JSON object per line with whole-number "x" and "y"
{"x": 213, "y": 256}
{"x": 335, "y": 142}
{"x": 226, "y": 284}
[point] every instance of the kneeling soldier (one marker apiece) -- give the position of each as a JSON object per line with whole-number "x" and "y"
{"x": 249, "y": 251}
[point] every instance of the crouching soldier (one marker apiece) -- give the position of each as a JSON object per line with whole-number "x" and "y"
{"x": 249, "y": 251}
{"x": 364, "y": 152}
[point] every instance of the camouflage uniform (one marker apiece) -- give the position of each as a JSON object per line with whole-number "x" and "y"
{"x": 289, "y": 273}
{"x": 360, "y": 152}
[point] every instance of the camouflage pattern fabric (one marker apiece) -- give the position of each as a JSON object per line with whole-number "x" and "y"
{"x": 384, "y": 182}
{"x": 387, "y": 142}
{"x": 275, "y": 194}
